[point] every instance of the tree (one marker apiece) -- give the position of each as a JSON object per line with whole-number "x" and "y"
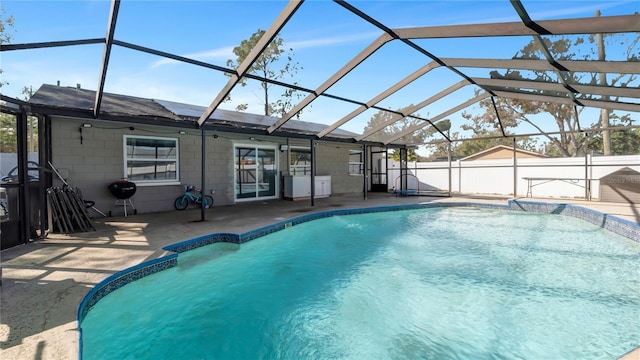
{"x": 7, "y": 121}
{"x": 512, "y": 112}
{"x": 8, "y": 143}
{"x": 266, "y": 66}
{"x": 397, "y": 127}
{"x": 6, "y": 24}
{"x": 411, "y": 155}
{"x": 624, "y": 142}
{"x": 442, "y": 148}
{"x": 417, "y": 137}
{"x": 8, "y": 129}
{"x": 32, "y": 122}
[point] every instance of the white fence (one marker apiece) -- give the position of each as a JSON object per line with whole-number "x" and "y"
{"x": 491, "y": 177}
{"x": 499, "y": 177}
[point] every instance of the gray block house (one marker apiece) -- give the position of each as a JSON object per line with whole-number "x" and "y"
{"x": 159, "y": 146}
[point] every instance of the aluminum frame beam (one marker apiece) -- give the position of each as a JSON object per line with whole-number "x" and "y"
{"x": 614, "y": 67}
{"x": 603, "y": 24}
{"x": 504, "y": 84}
{"x": 601, "y": 104}
{"x": 106, "y": 55}
{"x": 399, "y": 85}
{"x": 526, "y": 20}
{"x": 357, "y": 60}
{"x": 438, "y": 117}
{"x": 50, "y": 44}
{"x": 268, "y": 36}
{"x": 534, "y": 134}
{"x": 495, "y": 109}
{"x": 412, "y": 109}
{"x": 502, "y": 87}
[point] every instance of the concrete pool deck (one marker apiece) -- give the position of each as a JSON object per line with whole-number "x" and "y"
{"x": 44, "y": 281}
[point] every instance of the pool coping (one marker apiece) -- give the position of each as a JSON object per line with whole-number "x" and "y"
{"x": 611, "y": 223}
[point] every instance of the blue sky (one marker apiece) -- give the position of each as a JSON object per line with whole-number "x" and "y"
{"x": 323, "y": 35}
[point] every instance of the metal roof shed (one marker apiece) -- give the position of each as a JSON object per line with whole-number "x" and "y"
{"x": 622, "y": 186}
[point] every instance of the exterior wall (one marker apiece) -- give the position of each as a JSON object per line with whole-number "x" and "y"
{"x": 96, "y": 162}
{"x": 333, "y": 160}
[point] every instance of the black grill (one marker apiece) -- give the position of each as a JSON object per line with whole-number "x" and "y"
{"x": 122, "y": 189}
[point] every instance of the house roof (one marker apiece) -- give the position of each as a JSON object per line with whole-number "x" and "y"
{"x": 625, "y": 171}
{"x": 498, "y": 148}
{"x": 57, "y": 100}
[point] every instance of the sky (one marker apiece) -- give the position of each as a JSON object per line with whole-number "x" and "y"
{"x": 323, "y": 35}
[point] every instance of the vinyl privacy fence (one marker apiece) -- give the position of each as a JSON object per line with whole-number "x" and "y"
{"x": 552, "y": 177}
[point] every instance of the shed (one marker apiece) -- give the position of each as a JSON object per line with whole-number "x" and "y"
{"x": 621, "y": 186}
{"x": 502, "y": 152}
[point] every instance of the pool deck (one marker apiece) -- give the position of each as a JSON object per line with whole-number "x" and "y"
{"x": 44, "y": 281}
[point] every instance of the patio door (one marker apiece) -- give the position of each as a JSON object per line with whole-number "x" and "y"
{"x": 256, "y": 169}
{"x": 378, "y": 165}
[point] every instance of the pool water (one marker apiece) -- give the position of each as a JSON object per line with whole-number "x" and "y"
{"x": 439, "y": 283}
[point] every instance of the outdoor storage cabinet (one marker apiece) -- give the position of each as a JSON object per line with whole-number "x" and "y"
{"x": 299, "y": 187}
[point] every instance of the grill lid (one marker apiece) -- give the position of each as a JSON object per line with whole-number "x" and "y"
{"x": 122, "y": 189}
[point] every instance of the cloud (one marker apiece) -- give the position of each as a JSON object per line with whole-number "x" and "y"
{"x": 330, "y": 41}
{"x": 589, "y": 7}
{"x": 223, "y": 53}
{"x": 34, "y": 71}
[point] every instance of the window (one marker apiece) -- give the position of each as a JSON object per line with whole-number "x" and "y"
{"x": 151, "y": 160}
{"x": 356, "y": 163}
{"x": 300, "y": 161}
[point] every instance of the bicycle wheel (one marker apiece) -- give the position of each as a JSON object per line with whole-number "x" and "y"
{"x": 208, "y": 201}
{"x": 181, "y": 203}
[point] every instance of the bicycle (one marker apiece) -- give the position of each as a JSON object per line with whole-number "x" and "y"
{"x": 188, "y": 197}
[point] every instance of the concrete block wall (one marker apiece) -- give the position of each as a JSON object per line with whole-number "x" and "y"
{"x": 333, "y": 159}
{"x": 92, "y": 163}
{"x": 96, "y": 162}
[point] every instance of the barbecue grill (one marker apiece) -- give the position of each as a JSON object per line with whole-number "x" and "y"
{"x": 123, "y": 190}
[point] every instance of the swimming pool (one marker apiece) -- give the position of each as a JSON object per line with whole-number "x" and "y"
{"x": 431, "y": 283}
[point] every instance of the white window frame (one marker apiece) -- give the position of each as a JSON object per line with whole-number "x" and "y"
{"x": 139, "y": 182}
{"x": 358, "y": 164}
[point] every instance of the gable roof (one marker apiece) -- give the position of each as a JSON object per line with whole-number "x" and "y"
{"x": 498, "y": 148}
{"x": 625, "y": 171}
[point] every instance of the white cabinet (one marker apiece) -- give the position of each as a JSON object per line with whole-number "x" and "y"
{"x": 323, "y": 186}
{"x": 299, "y": 187}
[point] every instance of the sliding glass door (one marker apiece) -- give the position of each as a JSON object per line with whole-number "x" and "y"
{"x": 256, "y": 172}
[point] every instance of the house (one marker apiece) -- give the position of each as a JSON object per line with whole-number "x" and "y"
{"x": 502, "y": 152}
{"x": 158, "y": 145}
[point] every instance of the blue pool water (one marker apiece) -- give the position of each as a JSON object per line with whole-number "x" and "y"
{"x": 439, "y": 283}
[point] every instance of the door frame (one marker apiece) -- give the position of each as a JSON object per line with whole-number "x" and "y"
{"x": 257, "y": 148}
{"x": 381, "y": 186}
